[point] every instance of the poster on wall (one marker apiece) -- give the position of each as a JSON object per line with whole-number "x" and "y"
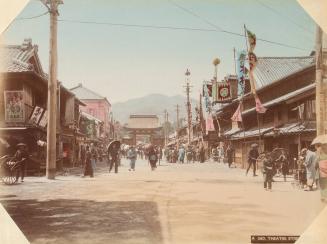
{"x": 36, "y": 115}
{"x": 44, "y": 120}
{"x": 14, "y": 106}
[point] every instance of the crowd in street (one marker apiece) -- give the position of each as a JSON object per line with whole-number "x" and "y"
{"x": 310, "y": 171}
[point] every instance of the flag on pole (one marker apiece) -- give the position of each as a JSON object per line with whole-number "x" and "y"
{"x": 258, "y": 106}
{"x": 241, "y": 71}
{"x": 237, "y": 116}
{"x": 214, "y": 91}
{"x": 252, "y": 40}
{"x": 209, "y": 123}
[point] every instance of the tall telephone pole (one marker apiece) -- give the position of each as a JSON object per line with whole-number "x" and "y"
{"x": 321, "y": 86}
{"x": 52, "y": 6}
{"x": 166, "y": 126}
{"x": 188, "y": 106}
{"x": 177, "y": 124}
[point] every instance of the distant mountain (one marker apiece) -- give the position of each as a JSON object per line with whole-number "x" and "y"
{"x": 152, "y": 104}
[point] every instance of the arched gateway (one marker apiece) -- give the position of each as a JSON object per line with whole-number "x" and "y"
{"x": 143, "y": 129}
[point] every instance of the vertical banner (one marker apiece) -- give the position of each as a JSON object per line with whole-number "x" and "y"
{"x": 14, "y": 106}
{"x": 240, "y": 64}
{"x": 36, "y": 115}
{"x": 209, "y": 123}
{"x": 44, "y": 120}
{"x": 237, "y": 116}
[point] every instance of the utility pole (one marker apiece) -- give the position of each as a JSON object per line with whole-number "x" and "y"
{"x": 177, "y": 124}
{"x": 52, "y": 6}
{"x": 188, "y": 106}
{"x": 166, "y": 126}
{"x": 321, "y": 80}
{"x": 216, "y": 62}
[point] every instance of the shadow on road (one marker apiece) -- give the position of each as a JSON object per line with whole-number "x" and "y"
{"x": 85, "y": 221}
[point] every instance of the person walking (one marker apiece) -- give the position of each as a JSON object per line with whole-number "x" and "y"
{"x": 114, "y": 157}
{"x": 322, "y": 166}
{"x": 310, "y": 165}
{"x": 268, "y": 172}
{"x": 83, "y": 152}
{"x": 181, "y": 154}
{"x": 132, "y": 156}
{"x": 153, "y": 157}
{"x": 252, "y": 159}
{"x": 201, "y": 153}
{"x": 230, "y": 155}
{"x": 88, "y": 169}
{"x": 21, "y": 156}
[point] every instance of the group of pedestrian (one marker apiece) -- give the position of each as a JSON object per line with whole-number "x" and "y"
{"x": 183, "y": 153}
{"x": 90, "y": 155}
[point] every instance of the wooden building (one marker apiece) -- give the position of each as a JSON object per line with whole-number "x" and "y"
{"x": 23, "y": 104}
{"x": 286, "y": 87}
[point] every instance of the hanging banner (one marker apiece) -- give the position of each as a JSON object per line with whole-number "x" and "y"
{"x": 209, "y": 123}
{"x": 258, "y": 106}
{"x": 207, "y": 89}
{"x": 241, "y": 71}
{"x": 237, "y": 116}
{"x": 14, "y": 106}
{"x": 44, "y": 120}
{"x": 252, "y": 40}
{"x": 206, "y": 97}
{"x": 36, "y": 115}
{"x": 223, "y": 92}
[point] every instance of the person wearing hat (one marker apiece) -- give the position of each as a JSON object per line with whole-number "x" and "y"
{"x": 252, "y": 159}
{"x": 21, "y": 156}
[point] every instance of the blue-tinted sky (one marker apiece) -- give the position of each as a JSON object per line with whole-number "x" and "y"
{"x": 126, "y": 62}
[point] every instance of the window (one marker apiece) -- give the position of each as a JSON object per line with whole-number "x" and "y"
{"x": 310, "y": 110}
{"x": 293, "y": 112}
{"x": 268, "y": 117}
{"x": 280, "y": 115}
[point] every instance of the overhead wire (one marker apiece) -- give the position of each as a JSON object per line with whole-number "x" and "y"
{"x": 284, "y": 16}
{"x": 216, "y": 27}
{"x": 225, "y": 31}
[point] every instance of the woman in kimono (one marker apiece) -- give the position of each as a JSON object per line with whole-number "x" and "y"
{"x": 88, "y": 170}
{"x": 153, "y": 157}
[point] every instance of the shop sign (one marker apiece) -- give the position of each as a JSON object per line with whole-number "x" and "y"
{"x": 14, "y": 106}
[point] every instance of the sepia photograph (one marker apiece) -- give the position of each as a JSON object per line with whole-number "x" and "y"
{"x": 163, "y": 121}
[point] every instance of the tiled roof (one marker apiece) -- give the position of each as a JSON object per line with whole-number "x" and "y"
{"x": 84, "y": 93}
{"x": 250, "y": 133}
{"x": 293, "y": 128}
{"x": 271, "y": 69}
{"x": 16, "y": 58}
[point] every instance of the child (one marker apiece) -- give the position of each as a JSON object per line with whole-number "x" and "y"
{"x": 267, "y": 172}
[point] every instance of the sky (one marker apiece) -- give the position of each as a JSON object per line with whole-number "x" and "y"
{"x": 129, "y": 62}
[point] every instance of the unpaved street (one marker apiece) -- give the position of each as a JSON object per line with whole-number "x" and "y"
{"x": 190, "y": 203}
